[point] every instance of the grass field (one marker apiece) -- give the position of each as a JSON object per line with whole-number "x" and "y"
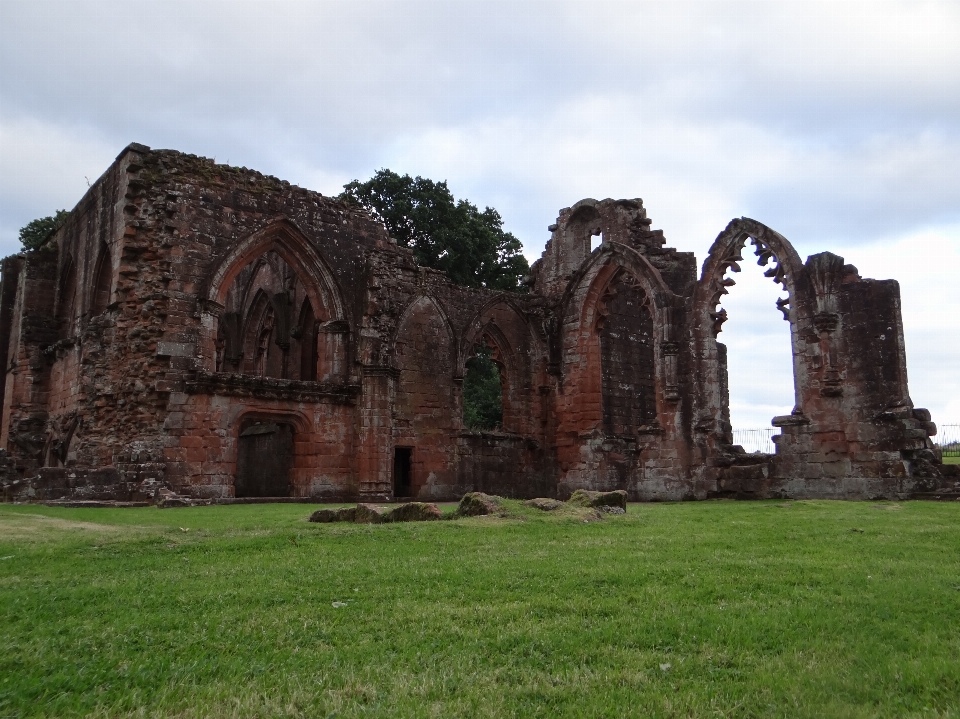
{"x": 700, "y": 609}
{"x": 951, "y": 460}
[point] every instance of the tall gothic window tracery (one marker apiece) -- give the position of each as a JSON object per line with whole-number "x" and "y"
{"x": 268, "y": 327}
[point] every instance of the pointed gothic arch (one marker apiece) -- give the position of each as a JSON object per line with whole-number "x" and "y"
{"x": 103, "y": 282}
{"x": 725, "y": 254}
{"x": 283, "y": 237}
{"x": 519, "y": 353}
{"x": 426, "y": 409}
{"x": 582, "y": 294}
{"x": 783, "y": 266}
{"x": 281, "y": 257}
{"x": 505, "y": 331}
{"x": 616, "y": 349}
{"x": 415, "y": 305}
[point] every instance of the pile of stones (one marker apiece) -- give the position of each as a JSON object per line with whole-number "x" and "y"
{"x": 473, "y": 504}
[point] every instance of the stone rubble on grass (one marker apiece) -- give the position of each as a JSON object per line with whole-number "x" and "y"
{"x": 478, "y": 504}
{"x": 605, "y": 502}
{"x": 379, "y": 514}
{"x": 607, "y": 509}
{"x": 472, "y": 504}
{"x": 369, "y": 514}
{"x": 544, "y": 503}
{"x": 414, "y": 512}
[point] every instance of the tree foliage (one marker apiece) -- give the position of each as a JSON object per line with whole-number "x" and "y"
{"x": 36, "y": 232}
{"x": 482, "y": 392}
{"x": 446, "y": 234}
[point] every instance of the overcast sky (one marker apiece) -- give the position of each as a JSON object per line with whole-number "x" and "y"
{"x": 836, "y": 123}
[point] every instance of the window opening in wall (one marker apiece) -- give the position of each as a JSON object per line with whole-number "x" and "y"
{"x": 402, "y": 480}
{"x": 264, "y": 460}
{"x": 102, "y": 284}
{"x": 595, "y": 241}
{"x": 482, "y": 391}
{"x": 755, "y": 341}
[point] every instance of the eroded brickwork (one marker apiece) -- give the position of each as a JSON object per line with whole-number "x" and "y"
{"x": 210, "y": 330}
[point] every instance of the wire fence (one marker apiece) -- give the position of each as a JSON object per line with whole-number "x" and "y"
{"x": 761, "y": 440}
{"x": 756, "y": 440}
{"x": 948, "y": 439}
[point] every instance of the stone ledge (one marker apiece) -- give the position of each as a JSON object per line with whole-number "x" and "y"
{"x": 790, "y": 420}
{"x": 236, "y": 385}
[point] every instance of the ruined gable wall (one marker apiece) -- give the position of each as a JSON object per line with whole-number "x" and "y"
{"x": 651, "y": 460}
{"x": 207, "y": 210}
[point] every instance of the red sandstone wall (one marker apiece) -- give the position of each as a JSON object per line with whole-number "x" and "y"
{"x": 121, "y": 374}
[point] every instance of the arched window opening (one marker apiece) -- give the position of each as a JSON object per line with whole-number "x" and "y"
{"x": 625, "y": 326}
{"x": 103, "y": 284}
{"x": 67, "y": 300}
{"x": 756, "y": 362}
{"x": 483, "y": 390}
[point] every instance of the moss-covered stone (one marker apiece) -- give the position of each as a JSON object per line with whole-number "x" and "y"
{"x": 343, "y": 514}
{"x": 370, "y": 514}
{"x": 323, "y": 516}
{"x": 413, "y": 512}
{"x": 347, "y": 514}
{"x": 586, "y": 498}
{"x": 478, "y": 504}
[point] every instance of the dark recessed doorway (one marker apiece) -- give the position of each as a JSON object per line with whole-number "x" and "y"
{"x": 401, "y": 472}
{"x": 264, "y": 459}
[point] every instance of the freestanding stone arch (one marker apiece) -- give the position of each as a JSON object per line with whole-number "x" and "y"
{"x": 782, "y": 264}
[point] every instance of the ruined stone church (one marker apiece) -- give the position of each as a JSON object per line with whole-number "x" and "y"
{"x": 220, "y": 334}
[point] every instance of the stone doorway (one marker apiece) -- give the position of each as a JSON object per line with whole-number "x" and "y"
{"x": 402, "y": 475}
{"x": 264, "y": 459}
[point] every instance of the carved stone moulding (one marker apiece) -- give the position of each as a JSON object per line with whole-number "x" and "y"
{"x": 234, "y": 385}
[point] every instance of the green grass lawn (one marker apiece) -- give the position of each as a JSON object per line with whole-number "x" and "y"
{"x": 699, "y": 609}
{"x": 951, "y": 460}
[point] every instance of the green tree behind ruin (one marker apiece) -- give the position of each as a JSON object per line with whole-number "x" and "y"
{"x": 36, "y": 232}
{"x": 451, "y": 235}
{"x": 482, "y": 392}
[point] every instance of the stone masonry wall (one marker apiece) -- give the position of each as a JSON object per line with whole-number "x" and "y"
{"x": 185, "y": 302}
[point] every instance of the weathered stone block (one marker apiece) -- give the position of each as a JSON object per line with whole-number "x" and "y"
{"x": 477, "y": 504}
{"x": 588, "y": 498}
{"x": 413, "y": 512}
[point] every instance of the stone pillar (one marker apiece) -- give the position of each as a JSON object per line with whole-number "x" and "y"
{"x": 375, "y": 432}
